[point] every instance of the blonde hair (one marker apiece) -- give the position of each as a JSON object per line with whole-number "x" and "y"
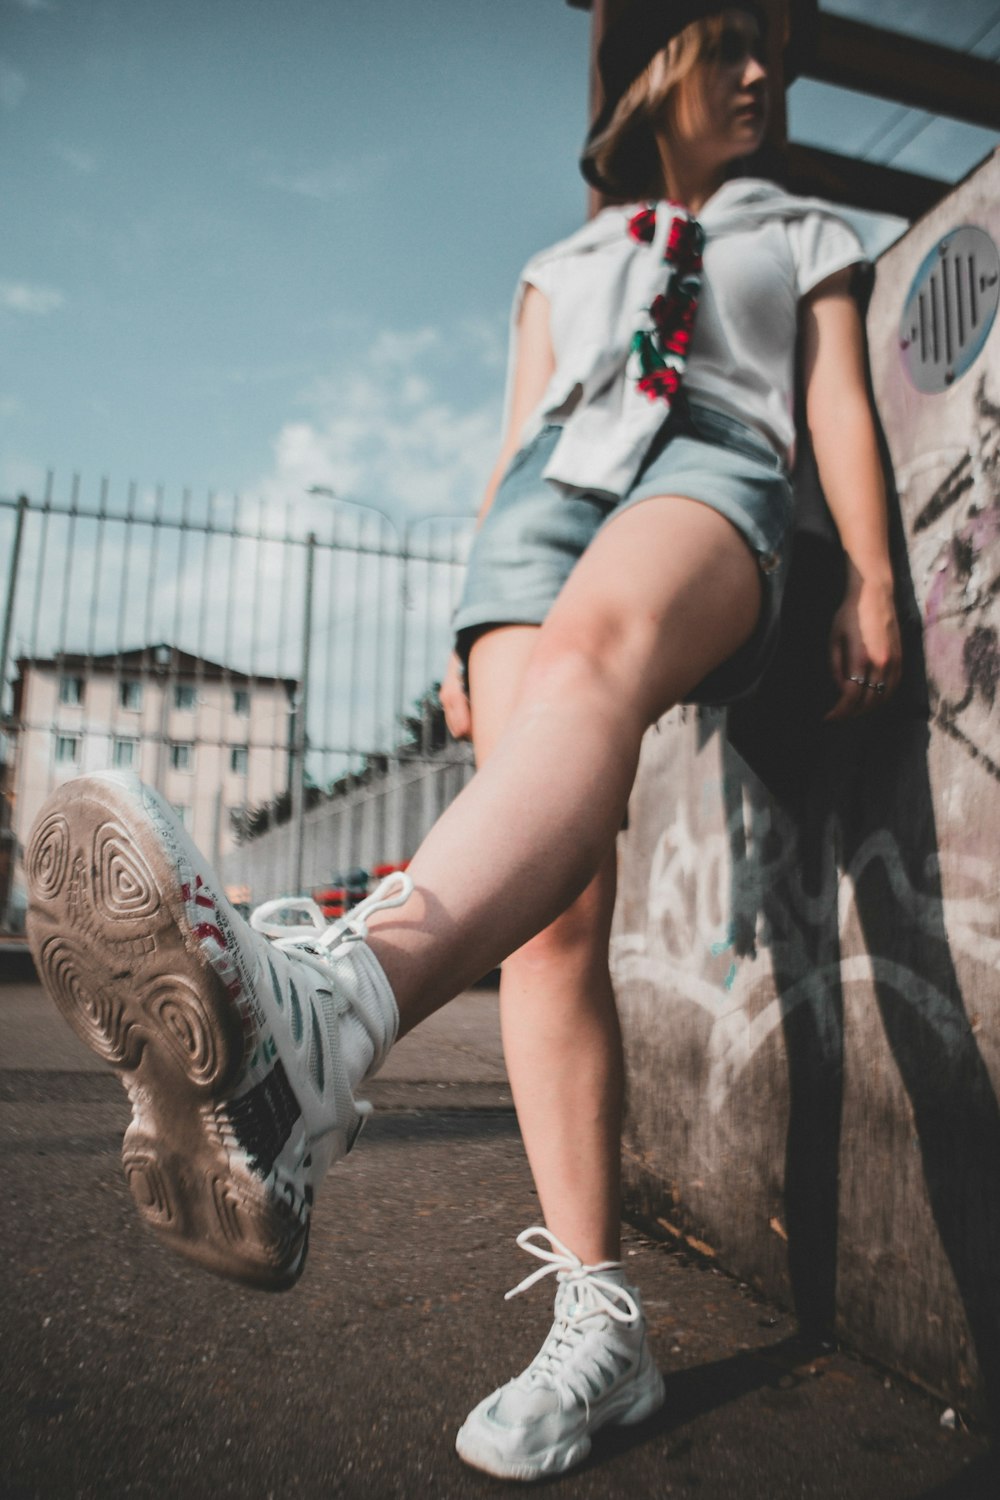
{"x": 625, "y": 153}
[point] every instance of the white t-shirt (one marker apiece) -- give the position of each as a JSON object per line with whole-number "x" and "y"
{"x": 764, "y": 251}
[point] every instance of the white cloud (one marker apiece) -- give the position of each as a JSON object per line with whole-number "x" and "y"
{"x": 403, "y": 347}
{"x": 327, "y": 183}
{"x": 17, "y": 296}
{"x": 488, "y": 339}
{"x": 13, "y": 86}
{"x": 394, "y": 432}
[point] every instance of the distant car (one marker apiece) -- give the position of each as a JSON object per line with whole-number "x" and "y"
{"x": 346, "y": 890}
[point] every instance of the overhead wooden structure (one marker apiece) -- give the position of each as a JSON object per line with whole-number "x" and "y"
{"x": 807, "y": 42}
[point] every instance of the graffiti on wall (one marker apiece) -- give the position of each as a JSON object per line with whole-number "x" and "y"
{"x": 712, "y": 941}
{"x": 955, "y": 536}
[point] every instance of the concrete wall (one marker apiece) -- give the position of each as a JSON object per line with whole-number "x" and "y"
{"x": 808, "y": 930}
{"x": 378, "y": 824}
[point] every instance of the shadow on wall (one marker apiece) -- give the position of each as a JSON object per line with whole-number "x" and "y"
{"x": 856, "y": 797}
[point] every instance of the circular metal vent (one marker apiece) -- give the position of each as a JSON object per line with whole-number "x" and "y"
{"x": 950, "y": 309}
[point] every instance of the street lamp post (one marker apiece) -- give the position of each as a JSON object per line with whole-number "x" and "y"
{"x": 300, "y": 741}
{"x": 402, "y": 538}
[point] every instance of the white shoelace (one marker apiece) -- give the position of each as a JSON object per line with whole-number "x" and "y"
{"x": 313, "y": 941}
{"x": 350, "y": 996}
{"x": 592, "y": 1295}
{"x": 273, "y": 918}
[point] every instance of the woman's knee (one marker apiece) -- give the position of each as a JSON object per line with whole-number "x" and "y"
{"x": 668, "y": 593}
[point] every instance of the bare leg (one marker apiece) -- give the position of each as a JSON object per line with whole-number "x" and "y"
{"x": 224, "y": 1151}
{"x": 669, "y": 591}
{"x": 561, "y": 1038}
{"x": 563, "y": 1049}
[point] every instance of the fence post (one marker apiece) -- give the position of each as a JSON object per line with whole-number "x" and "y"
{"x": 301, "y": 738}
{"x": 404, "y": 604}
{"x": 8, "y": 616}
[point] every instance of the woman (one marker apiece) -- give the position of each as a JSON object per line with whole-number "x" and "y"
{"x": 560, "y": 1028}
{"x": 631, "y": 558}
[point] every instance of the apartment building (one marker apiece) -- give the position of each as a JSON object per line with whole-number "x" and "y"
{"x": 210, "y": 738}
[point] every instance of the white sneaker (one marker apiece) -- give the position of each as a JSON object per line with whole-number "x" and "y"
{"x": 594, "y": 1368}
{"x": 240, "y": 1057}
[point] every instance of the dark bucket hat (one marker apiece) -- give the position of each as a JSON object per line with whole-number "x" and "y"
{"x": 640, "y": 30}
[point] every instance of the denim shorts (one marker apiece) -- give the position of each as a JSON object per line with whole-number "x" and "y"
{"x": 535, "y": 531}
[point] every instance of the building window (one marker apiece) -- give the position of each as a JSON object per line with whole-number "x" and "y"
{"x": 183, "y": 814}
{"x": 130, "y": 694}
{"x": 124, "y": 754}
{"x": 182, "y": 756}
{"x": 71, "y": 690}
{"x": 241, "y": 701}
{"x": 67, "y": 749}
{"x": 239, "y": 756}
{"x": 185, "y": 696}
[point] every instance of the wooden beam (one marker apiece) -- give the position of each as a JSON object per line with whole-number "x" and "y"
{"x": 779, "y": 28}
{"x": 803, "y": 34}
{"x": 861, "y": 184}
{"x": 905, "y": 69}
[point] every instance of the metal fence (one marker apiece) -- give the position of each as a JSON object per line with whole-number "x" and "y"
{"x": 270, "y": 650}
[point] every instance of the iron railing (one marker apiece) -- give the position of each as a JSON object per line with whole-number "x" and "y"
{"x": 330, "y": 610}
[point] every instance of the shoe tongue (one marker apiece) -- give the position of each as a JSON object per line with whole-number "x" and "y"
{"x": 575, "y": 1294}
{"x": 613, "y": 1273}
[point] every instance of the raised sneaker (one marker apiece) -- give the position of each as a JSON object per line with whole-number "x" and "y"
{"x": 240, "y": 1056}
{"x": 594, "y": 1368}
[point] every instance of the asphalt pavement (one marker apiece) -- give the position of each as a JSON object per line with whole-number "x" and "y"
{"x": 126, "y": 1372}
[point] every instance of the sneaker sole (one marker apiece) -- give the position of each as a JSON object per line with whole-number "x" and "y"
{"x": 627, "y": 1408}
{"x": 114, "y": 947}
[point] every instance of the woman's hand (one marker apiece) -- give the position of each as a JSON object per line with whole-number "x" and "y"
{"x": 865, "y": 651}
{"x": 533, "y": 363}
{"x": 455, "y": 700}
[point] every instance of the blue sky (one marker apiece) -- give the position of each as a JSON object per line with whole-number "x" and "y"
{"x": 251, "y": 246}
